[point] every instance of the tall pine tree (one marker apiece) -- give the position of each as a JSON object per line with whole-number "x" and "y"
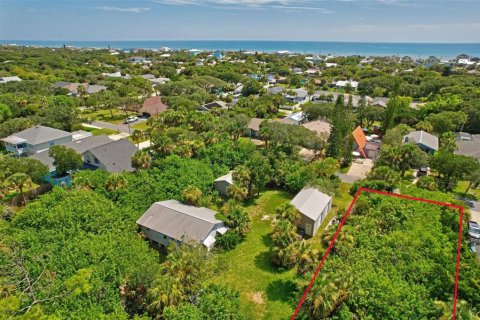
{"x": 337, "y": 132}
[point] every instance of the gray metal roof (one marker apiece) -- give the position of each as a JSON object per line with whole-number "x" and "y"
{"x": 311, "y": 202}
{"x": 275, "y": 90}
{"x": 39, "y": 134}
{"x": 116, "y": 156}
{"x": 177, "y": 220}
{"x": 228, "y": 178}
{"x": 422, "y": 137}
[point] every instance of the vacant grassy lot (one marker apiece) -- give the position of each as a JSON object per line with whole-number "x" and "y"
{"x": 265, "y": 291}
{"x": 97, "y": 132}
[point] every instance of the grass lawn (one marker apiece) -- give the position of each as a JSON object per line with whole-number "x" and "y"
{"x": 265, "y": 291}
{"x": 472, "y": 193}
{"x": 105, "y": 115}
{"x": 97, "y": 132}
{"x": 140, "y": 126}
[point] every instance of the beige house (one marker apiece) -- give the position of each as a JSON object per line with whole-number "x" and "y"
{"x": 313, "y": 206}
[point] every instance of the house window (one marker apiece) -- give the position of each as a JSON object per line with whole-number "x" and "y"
{"x": 96, "y": 160}
{"x": 164, "y": 237}
{"x": 51, "y": 143}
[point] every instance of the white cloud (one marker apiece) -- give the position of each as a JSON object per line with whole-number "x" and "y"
{"x": 130, "y": 10}
{"x": 288, "y": 5}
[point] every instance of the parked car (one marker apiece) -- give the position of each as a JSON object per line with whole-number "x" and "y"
{"x": 422, "y": 171}
{"x": 131, "y": 119}
{"x": 474, "y": 231}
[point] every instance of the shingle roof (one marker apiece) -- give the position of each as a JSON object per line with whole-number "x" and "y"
{"x": 39, "y": 134}
{"x": 254, "y": 124}
{"x": 422, "y": 137}
{"x": 80, "y": 146}
{"x": 116, "y": 156}
{"x": 311, "y": 202}
{"x": 318, "y": 126}
{"x": 275, "y": 90}
{"x": 177, "y": 220}
{"x": 469, "y": 148}
{"x": 153, "y": 105}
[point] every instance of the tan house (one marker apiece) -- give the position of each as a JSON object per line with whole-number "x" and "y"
{"x": 314, "y": 207}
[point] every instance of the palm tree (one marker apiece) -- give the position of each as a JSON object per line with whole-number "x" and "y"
{"x": 191, "y": 196}
{"x": 325, "y": 297}
{"x": 464, "y": 312}
{"x": 137, "y": 137}
{"x": 20, "y": 181}
{"x": 238, "y": 218}
{"x": 288, "y": 212}
{"x": 283, "y": 235}
{"x": 243, "y": 176}
{"x": 237, "y": 192}
{"x": 116, "y": 181}
{"x": 141, "y": 160}
{"x": 305, "y": 257}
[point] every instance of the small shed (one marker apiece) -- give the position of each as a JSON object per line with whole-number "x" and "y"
{"x": 314, "y": 206}
{"x": 222, "y": 183}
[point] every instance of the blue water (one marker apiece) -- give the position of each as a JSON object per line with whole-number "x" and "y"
{"x": 440, "y": 50}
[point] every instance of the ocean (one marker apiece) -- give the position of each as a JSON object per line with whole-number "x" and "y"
{"x": 415, "y": 50}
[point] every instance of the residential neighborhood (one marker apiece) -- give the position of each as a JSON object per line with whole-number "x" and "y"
{"x": 183, "y": 183}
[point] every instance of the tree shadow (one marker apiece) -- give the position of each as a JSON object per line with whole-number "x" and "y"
{"x": 281, "y": 290}
{"x": 267, "y": 240}
{"x": 263, "y": 262}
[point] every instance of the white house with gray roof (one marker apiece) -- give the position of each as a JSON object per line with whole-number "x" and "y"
{"x": 172, "y": 221}
{"x": 313, "y": 206}
{"x": 35, "y": 139}
{"x": 425, "y": 141}
{"x": 115, "y": 156}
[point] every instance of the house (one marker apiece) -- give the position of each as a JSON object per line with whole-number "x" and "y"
{"x": 313, "y": 206}
{"x": 320, "y": 127}
{"x": 35, "y": 139}
{"x": 117, "y": 74}
{"x": 139, "y": 60}
{"x": 344, "y": 84}
{"x": 253, "y": 128}
{"x": 218, "y": 55}
{"x": 426, "y": 141}
{"x": 296, "y": 95}
{"x": 80, "y": 146}
{"x": 212, "y": 105}
{"x": 73, "y": 87}
{"x": 172, "y": 221}
{"x": 115, "y": 156}
{"x": 10, "y": 79}
{"x": 275, "y": 90}
{"x": 222, "y": 183}
{"x": 296, "y": 118}
{"x": 372, "y": 149}
{"x": 152, "y": 106}
{"x": 194, "y": 52}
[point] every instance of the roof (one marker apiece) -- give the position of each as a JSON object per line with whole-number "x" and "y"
{"x": 228, "y": 178}
{"x": 318, "y": 126}
{"x": 311, "y": 202}
{"x": 177, "y": 220}
{"x": 275, "y": 90}
{"x": 37, "y": 135}
{"x": 422, "y": 137}
{"x": 116, "y": 156}
{"x": 9, "y": 79}
{"x": 360, "y": 137}
{"x": 469, "y": 148}
{"x": 80, "y": 146}
{"x": 153, "y": 105}
{"x": 215, "y": 104}
{"x": 254, "y": 124}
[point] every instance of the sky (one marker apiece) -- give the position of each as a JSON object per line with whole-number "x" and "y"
{"x": 319, "y": 20}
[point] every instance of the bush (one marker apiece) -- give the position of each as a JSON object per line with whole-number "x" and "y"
{"x": 229, "y": 240}
{"x": 427, "y": 182}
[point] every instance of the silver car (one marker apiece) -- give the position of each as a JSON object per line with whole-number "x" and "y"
{"x": 474, "y": 231}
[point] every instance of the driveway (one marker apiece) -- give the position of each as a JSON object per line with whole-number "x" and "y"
{"x": 475, "y": 216}
{"x": 360, "y": 168}
{"x": 347, "y": 178}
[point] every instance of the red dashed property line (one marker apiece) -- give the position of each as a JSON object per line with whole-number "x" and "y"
{"x": 357, "y": 194}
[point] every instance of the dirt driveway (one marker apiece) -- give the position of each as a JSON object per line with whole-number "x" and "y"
{"x": 360, "y": 168}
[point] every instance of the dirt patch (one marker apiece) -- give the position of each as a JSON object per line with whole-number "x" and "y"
{"x": 256, "y": 297}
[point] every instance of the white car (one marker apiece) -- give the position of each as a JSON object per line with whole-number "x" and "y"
{"x": 131, "y": 119}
